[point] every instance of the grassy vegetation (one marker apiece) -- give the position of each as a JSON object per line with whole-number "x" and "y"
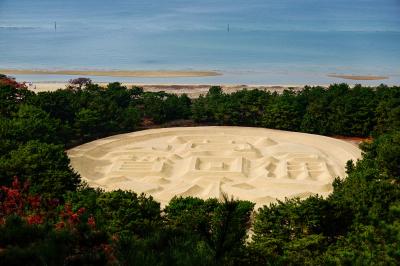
{"x": 49, "y": 217}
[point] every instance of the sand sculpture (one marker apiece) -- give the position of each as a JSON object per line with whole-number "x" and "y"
{"x": 260, "y": 165}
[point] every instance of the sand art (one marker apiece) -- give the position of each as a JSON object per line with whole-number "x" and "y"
{"x": 260, "y": 165}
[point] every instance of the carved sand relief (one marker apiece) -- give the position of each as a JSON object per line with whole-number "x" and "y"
{"x": 259, "y": 165}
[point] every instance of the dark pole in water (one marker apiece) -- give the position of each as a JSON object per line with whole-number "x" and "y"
{"x": 228, "y": 28}
{"x": 55, "y": 25}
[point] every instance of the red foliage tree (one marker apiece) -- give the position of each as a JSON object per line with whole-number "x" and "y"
{"x": 6, "y": 80}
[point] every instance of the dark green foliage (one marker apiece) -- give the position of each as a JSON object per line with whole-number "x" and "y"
{"x": 130, "y": 119}
{"x": 93, "y": 112}
{"x": 245, "y": 108}
{"x": 46, "y": 166}
{"x": 357, "y": 224}
{"x": 292, "y": 219}
{"x": 161, "y": 107}
{"x": 88, "y": 122}
{"x": 60, "y": 104}
{"x": 316, "y": 113}
{"x": 153, "y": 107}
{"x": 192, "y": 214}
{"x": 165, "y": 247}
{"x": 388, "y": 109}
{"x": 386, "y": 150}
{"x": 352, "y": 110}
{"x": 222, "y": 227}
{"x": 10, "y": 97}
{"x": 211, "y": 107}
{"x": 16, "y": 232}
{"x": 126, "y": 212}
{"x": 42, "y": 245}
{"x": 31, "y": 123}
{"x": 68, "y": 117}
{"x": 284, "y": 112}
{"x": 229, "y": 226}
{"x": 118, "y": 211}
{"x": 292, "y": 231}
{"x": 336, "y": 110}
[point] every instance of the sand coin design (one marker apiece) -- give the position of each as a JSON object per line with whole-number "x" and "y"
{"x": 255, "y": 164}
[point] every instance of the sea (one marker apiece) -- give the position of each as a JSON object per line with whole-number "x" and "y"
{"x": 248, "y": 41}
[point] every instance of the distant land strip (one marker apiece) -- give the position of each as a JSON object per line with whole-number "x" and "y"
{"x": 114, "y": 73}
{"x": 357, "y": 77}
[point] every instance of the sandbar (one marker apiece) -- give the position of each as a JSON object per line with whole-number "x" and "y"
{"x": 113, "y": 73}
{"x": 358, "y": 77}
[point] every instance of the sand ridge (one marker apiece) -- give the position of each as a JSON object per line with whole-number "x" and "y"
{"x": 114, "y": 73}
{"x": 358, "y": 77}
{"x": 260, "y": 165}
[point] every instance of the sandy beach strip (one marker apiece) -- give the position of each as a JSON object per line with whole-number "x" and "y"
{"x": 114, "y": 73}
{"x": 357, "y": 77}
{"x": 192, "y": 90}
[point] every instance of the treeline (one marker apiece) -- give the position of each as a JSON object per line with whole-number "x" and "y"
{"x": 35, "y": 129}
{"x": 48, "y": 216}
{"x": 336, "y": 110}
{"x": 78, "y": 115}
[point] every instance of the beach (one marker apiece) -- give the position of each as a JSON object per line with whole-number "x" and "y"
{"x": 169, "y": 81}
{"x": 192, "y": 90}
{"x": 191, "y": 82}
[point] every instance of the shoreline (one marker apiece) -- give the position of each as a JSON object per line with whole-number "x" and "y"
{"x": 115, "y": 73}
{"x": 192, "y": 90}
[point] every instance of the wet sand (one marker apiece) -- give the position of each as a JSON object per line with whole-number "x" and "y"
{"x": 358, "y": 77}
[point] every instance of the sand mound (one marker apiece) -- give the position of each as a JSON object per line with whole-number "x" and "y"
{"x": 260, "y": 165}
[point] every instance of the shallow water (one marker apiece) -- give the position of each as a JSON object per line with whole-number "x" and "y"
{"x": 270, "y": 42}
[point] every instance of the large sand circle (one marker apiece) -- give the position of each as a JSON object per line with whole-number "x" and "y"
{"x": 255, "y": 164}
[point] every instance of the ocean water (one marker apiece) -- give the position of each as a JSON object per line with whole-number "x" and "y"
{"x": 268, "y": 42}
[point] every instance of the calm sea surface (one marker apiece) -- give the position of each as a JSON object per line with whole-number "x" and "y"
{"x": 268, "y": 42}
